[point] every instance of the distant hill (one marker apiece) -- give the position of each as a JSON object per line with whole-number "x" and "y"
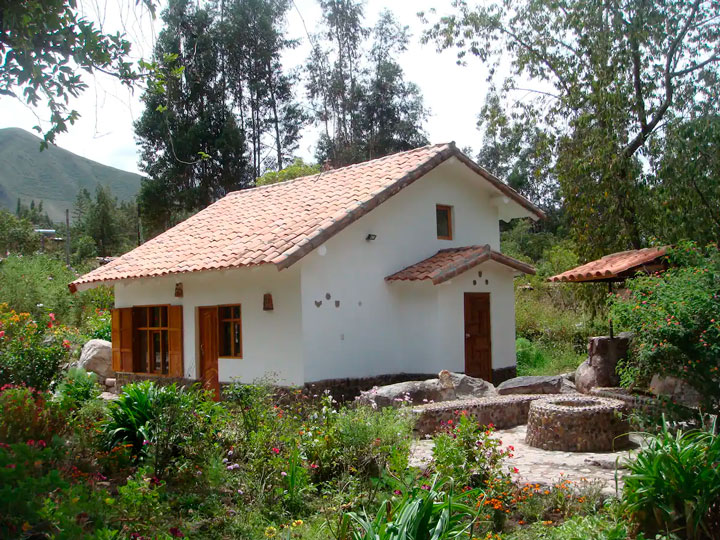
{"x": 54, "y": 176}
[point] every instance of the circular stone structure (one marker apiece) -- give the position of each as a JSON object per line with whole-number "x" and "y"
{"x": 577, "y": 424}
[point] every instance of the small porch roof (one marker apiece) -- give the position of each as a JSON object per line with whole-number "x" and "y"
{"x": 616, "y": 266}
{"x": 448, "y": 263}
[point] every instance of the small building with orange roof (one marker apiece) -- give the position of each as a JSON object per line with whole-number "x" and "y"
{"x": 385, "y": 267}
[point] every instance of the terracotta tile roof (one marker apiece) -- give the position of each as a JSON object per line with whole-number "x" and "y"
{"x": 615, "y": 265}
{"x": 281, "y": 223}
{"x": 451, "y": 262}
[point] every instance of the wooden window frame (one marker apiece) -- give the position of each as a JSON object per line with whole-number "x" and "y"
{"x": 221, "y": 336}
{"x": 150, "y": 330}
{"x": 449, "y": 210}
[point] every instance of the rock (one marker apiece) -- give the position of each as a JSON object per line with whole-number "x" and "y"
{"x": 448, "y": 386}
{"x": 676, "y": 389}
{"x": 570, "y": 376}
{"x": 470, "y": 387}
{"x": 96, "y": 356}
{"x": 533, "y": 384}
{"x": 413, "y": 392}
{"x": 603, "y": 356}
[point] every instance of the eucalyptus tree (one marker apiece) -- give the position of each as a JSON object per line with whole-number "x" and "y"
{"x": 357, "y": 89}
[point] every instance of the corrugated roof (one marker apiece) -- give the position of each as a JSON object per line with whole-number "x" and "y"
{"x": 280, "y": 223}
{"x": 451, "y": 262}
{"x": 615, "y": 265}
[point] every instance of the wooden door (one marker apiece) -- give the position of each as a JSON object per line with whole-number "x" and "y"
{"x": 478, "y": 349}
{"x": 209, "y": 349}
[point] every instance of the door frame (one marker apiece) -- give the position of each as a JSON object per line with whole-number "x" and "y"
{"x": 214, "y": 384}
{"x": 466, "y": 308}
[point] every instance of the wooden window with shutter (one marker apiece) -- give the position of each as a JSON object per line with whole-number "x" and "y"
{"x": 148, "y": 339}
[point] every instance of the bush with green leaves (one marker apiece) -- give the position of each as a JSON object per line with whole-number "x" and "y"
{"x": 28, "y": 415}
{"x": 77, "y": 387}
{"x": 164, "y": 425}
{"x": 675, "y": 316}
{"x": 468, "y": 453}
{"x": 98, "y": 324}
{"x": 31, "y": 351}
{"x": 673, "y": 485}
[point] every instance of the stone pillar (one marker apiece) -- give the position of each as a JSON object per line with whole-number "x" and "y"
{"x": 603, "y": 355}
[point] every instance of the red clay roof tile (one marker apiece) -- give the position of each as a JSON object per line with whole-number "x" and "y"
{"x": 451, "y": 262}
{"x": 281, "y": 223}
{"x": 612, "y": 266}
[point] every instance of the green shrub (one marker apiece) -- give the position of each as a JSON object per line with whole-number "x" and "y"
{"x": 32, "y": 352}
{"x": 98, "y": 325}
{"x": 28, "y": 473}
{"x": 367, "y": 440}
{"x": 468, "y": 453}
{"x": 675, "y": 317}
{"x": 28, "y": 415}
{"x": 674, "y": 484}
{"x": 76, "y": 387}
{"x": 163, "y": 424}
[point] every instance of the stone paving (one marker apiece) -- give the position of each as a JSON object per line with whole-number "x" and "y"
{"x": 546, "y": 467}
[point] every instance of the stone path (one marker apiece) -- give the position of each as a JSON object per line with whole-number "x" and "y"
{"x": 546, "y": 467}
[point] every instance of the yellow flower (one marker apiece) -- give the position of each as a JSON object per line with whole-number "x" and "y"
{"x": 297, "y": 522}
{"x": 270, "y": 532}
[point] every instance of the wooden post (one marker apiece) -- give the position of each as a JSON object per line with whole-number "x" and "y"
{"x": 67, "y": 236}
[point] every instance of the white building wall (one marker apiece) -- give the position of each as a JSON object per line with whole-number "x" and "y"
{"x": 271, "y": 339}
{"x": 356, "y": 324}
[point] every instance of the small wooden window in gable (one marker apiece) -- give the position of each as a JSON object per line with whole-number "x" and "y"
{"x": 230, "y": 320}
{"x": 444, "y": 222}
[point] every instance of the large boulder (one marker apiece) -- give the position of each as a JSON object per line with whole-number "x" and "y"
{"x": 448, "y": 386}
{"x": 676, "y": 389}
{"x": 470, "y": 387}
{"x": 536, "y": 384}
{"x": 412, "y": 392}
{"x": 603, "y": 355}
{"x": 96, "y": 356}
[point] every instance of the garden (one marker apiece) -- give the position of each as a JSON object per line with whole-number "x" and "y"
{"x": 162, "y": 462}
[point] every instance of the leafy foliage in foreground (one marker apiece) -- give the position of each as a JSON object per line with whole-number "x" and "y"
{"x": 674, "y": 484}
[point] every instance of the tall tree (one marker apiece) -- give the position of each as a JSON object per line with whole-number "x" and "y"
{"x": 221, "y": 112}
{"x": 193, "y": 149}
{"x": 357, "y": 89}
{"x": 608, "y": 76}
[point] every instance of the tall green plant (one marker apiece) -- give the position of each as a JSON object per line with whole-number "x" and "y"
{"x": 674, "y": 483}
{"x": 424, "y": 513}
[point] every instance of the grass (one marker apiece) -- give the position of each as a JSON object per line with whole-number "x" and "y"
{"x": 541, "y": 359}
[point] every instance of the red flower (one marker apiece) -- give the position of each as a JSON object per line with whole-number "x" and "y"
{"x": 175, "y": 533}
{"x": 275, "y": 450}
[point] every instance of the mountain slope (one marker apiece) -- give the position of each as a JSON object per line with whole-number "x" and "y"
{"x": 54, "y": 176}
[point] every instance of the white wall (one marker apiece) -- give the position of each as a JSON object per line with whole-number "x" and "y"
{"x": 270, "y": 338}
{"x": 380, "y": 327}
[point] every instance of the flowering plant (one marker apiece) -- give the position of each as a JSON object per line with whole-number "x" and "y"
{"x": 31, "y": 351}
{"x": 468, "y": 452}
{"x": 675, "y": 317}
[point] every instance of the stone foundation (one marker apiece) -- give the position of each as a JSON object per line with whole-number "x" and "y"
{"x": 348, "y": 389}
{"x": 577, "y": 424}
{"x": 501, "y": 411}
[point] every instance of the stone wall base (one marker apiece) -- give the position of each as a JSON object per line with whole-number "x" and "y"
{"x": 345, "y": 389}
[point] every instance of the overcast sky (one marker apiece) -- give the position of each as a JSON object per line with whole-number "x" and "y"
{"x": 454, "y": 94}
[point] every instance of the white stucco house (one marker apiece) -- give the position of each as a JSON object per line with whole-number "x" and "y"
{"x": 385, "y": 267}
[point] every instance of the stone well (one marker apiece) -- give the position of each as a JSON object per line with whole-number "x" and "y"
{"x": 577, "y": 424}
